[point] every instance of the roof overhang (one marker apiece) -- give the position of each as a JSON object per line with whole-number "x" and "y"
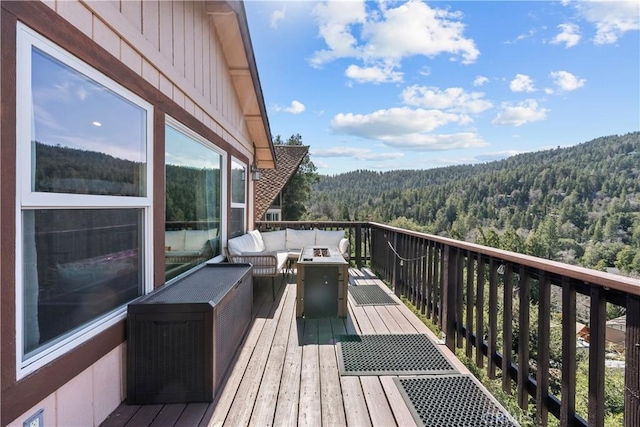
{"x": 230, "y": 22}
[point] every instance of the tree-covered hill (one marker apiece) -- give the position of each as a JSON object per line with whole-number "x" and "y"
{"x": 579, "y": 204}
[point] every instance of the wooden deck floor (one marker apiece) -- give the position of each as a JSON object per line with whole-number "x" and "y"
{"x": 286, "y": 372}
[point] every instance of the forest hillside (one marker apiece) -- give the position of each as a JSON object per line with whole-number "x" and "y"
{"x": 579, "y": 205}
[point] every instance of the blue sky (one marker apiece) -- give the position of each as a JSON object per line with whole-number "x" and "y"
{"x": 413, "y": 85}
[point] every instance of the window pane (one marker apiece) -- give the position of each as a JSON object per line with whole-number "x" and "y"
{"x": 237, "y": 222}
{"x": 238, "y": 183}
{"x": 77, "y": 266}
{"x": 193, "y": 199}
{"x": 86, "y": 138}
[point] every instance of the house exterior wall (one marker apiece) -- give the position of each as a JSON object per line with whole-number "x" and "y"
{"x": 168, "y": 54}
{"x": 173, "y": 46}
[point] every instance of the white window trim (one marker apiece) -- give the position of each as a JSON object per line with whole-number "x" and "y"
{"x": 26, "y": 199}
{"x": 246, "y": 190}
{"x": 224, "y": 198}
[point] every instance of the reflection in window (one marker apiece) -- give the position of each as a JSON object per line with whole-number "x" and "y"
{"x": 78, "y": 264}
{"x": 87, "y": 139}
{"x": 238, "y": 199}
{"x": 80, "y": 257}
{"x": 193, "y": 202}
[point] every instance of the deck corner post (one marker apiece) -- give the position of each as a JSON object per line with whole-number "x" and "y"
{"x": 632, "y": 363}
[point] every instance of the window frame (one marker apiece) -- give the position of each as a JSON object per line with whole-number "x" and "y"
{"x": 243, "y": 205}
{"x": 178, "y": 126}
{"x": 26, "y": 199}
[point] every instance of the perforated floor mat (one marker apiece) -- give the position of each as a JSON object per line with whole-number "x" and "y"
{"x": 370, "y": 295}
{"x": 402, "y": 354}
{"x": 451, "y": 400}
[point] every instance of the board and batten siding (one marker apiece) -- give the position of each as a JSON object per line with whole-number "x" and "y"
{"x": 172, "y": 45}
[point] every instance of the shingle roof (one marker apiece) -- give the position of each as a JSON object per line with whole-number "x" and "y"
{"x": 272, "y": 181}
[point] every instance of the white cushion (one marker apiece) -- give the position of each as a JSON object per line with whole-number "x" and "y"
{"x": 175, "y": 240}
{"x": 298, "y": 239}
{"x": 260, "y": 253}
{"x": 258, "y": 238}
{"x": 274, "y": 241}
{"x": 343, "y": 247}
{"x": 195, "y": 239}
{"x": 329, "y": 238}
{"x": 244, "y": 243}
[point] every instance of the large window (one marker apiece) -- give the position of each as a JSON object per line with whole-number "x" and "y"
{"x": 238, "y": 199}
{"x": 194, "y": 195}
{"x": 84, "y": 186}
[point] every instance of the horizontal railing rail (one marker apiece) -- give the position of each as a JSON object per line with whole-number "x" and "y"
{"x": 476, "y": 294}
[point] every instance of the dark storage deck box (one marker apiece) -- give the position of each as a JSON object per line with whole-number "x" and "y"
{"x": 183, "y": 336}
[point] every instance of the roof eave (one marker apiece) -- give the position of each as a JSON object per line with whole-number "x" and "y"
{"x": 230, "y": 21}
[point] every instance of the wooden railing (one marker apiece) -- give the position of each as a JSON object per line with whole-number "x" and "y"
{"x": 448, "y": 281}
{"x": 475, "y": 294}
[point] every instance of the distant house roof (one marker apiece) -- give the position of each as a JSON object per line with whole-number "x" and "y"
{"x": 272, "y": 181}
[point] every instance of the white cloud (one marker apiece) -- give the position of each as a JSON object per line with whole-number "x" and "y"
{"x": 407, "y": 128}
{"x": 480, "y": 80}
{"x": 334, "y": 26}
{"x": 520, "y": 113}
{"x": 390, "y": 34}
{"x": 436, "y": 142}
{"x": 611, "y": 18}
{"x": 373, "y": 74}
{"x": 296, "y": 107}
{"x": 522, "y": 36}
{"x": 522, "y": 83}
{"x": 566, "y": 81}
{"x": 454, "y": 99}
{"x": 355, "y": 153}
{"x": 548, "y": 91}
{"x": 277, "y": 16}
{"x": 393, "y": 122}
{"x": 569, "y": 35}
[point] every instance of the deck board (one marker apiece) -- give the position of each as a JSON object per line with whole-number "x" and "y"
{"x": 169, "y": 415}
{"x": 310, "y": 411}
{"x": 377, "y": 404}
{"x": 331, "y": 401}
{"x": 241, "y": 409}
{"x": 286, "y": 371}
{"x": 264, "y": 409}
{"x": 289, "y": 392}
{"x": 355, "y": 405}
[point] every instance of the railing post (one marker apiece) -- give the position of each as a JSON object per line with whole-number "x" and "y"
{"x": 523, "y": 338}
{"x": 632, "y": 363}
{"x": 359, "y": 245}
{"x": 493, "y": 319}
{"x": 449, "y": 273}
{"x": 597, "y": 331}
{"x": 507, "y": 329}
{"x": 459, "y": 300}
{"x": 469, "y": 323}
{"x": 480, "y": 313}
{"x": 396, "y": 266}
{"x": 568, "y": 392}
{"x": 544, "y": 338}
{"x": 430, "y": 299}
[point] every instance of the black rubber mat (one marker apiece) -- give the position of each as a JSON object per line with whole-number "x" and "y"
{"x": 403, "y": 354}
{"x": 370, "y": 295}
{"x": 451, "y": 400}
